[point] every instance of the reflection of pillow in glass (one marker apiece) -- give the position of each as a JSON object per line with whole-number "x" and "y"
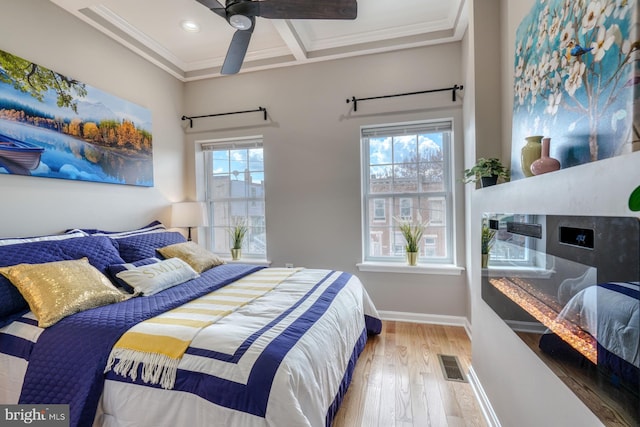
{"x": 196, "y": 256}
{"x": 55, "y": 290}
{"x": 153, "y": 278}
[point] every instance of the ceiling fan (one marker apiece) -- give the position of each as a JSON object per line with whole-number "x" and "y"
{"x": 241, "y": 15}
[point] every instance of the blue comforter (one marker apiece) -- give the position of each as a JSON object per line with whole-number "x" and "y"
{"x": 66, "y": 365}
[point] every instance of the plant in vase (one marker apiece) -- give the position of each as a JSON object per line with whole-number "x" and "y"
{"x": 412, "y": 233}
{"x": 488, "y": 237}
{"x": 237, "y": 233}
{"x": 487, "y": 171}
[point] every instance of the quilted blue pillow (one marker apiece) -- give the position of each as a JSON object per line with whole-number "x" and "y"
{"x": 117, "y": 268}
{"x": 141, "y": 246}
{"x": 101, "y": 252}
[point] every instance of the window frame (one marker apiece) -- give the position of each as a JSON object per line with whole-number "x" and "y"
{"x": 447, "y": 194}
{"x": 251, "y": 198}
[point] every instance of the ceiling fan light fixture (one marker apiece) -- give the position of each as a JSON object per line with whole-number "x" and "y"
{"x": 240, "y": 22}
{"x": 190, "y": 26}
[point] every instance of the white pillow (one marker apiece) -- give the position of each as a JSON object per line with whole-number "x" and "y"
{"x": 153, "y": 278}
{"x": 19, "y": 240}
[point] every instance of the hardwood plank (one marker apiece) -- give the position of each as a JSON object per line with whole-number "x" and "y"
{"x": 398, "y": 380}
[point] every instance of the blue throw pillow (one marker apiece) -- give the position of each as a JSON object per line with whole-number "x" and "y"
{"x": 100, "y": 251}
{"x": 141, "y": 246}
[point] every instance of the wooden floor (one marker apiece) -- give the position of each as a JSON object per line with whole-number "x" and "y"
{"x": 398, "y": 380}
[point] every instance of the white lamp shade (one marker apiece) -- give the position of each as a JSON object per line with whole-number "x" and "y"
{"x": 188, "y": 214}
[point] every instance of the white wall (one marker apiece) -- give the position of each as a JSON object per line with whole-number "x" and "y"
{"x": 522, "y": 390}
{"x": 312, "y": 156}
{"x": 45, "y": 34}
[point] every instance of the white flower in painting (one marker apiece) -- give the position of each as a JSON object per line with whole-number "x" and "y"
{"x": 622, "y": 6}
{"x": 535, "y": 88}
{"x": 602, "y": 43}
{"x": 519, "y": 67}
{"x": 578, "y": 6}
{"x": 520, "y": 92}
{"x": 519, "y": 49}
{"x": 543, "y": 66}
{"x": 529, "y": 43}
{"x": 542, "y": 33}
{"x": 553, "y": 103}
{"x": 555, "y": 82}
{"x": 605, "y": 13}
{"x": 567, "y": 35}
{"x": 554, "y": 62}
{"x": 626, "y": 47}
{"x": 574, "y": 81}
{"x": 590, "y": 18}
{"x": 554, "y": 28}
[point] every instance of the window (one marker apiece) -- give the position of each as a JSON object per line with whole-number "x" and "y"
{"x": 235, "y": 192}
{"x": 407, "y": 175}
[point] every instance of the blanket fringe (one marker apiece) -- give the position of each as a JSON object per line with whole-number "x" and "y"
{"x": 156, "y": 368}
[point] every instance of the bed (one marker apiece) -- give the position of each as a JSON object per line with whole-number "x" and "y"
{"x": 230, "y": 344}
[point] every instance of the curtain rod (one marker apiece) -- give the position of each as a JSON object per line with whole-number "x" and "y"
{"x": 453, "y": 89}
{"x": 224, "y": 114}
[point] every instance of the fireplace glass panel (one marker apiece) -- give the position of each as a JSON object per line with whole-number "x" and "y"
{"x": 568, "y": 287}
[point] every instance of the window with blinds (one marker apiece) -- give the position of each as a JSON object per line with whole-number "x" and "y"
{"x": 407, "y": 175}
{"x": 235, "y": 184}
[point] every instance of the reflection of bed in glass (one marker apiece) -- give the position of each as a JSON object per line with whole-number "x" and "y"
{"x": 568, "y": 286}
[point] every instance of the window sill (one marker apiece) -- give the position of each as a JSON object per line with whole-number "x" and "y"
{"x": 388, "y": 267}
{"x": 264, "y": 262}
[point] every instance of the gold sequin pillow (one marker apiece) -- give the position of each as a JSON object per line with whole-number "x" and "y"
{"x": 193, "y": 254}
{"x": 55, "y": 290}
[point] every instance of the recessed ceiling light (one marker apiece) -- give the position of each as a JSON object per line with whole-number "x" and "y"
{"x": 190, "y": 26}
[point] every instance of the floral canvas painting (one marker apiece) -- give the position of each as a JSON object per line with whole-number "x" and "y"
{"x": 55, "y": 126}
{"x": 576, "y": 80}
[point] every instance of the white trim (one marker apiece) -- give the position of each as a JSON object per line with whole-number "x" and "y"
{"x": 390, "y": 267}
{"x": 487, "y": 410}
{"x": 436, "y": 319}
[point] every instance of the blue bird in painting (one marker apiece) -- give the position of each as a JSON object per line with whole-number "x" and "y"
{"x": 578, "y": 50}
{"x": 574, "y": 49}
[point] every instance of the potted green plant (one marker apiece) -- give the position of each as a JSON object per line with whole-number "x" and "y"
{"x": 412, "y": 233}
{"x": 237, "y": 232}
{"x": 487, "y": 171}
{"x": 488, "y": 237}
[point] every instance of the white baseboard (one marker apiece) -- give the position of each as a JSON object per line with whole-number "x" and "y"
{"x": 487, "y": 410}
{"x": 436, "y": 319}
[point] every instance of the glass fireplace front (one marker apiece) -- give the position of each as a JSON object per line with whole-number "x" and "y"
{"x": 568, "y": 287}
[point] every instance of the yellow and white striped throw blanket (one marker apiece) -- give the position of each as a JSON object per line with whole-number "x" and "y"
{"x": 160, "y": 342}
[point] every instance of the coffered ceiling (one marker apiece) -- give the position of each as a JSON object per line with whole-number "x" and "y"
{"x": 152, "y": 29}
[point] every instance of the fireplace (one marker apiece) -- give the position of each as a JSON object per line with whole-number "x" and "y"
{"x": 568, "y": 287}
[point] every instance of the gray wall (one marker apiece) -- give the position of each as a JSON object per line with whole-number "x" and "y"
{"x": 312, "y": 157}
{"x": 45, "y": 34}
{"x": 522, "y": 390}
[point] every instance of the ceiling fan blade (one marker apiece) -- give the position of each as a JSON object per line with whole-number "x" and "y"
{"x": 305, "y": 9}
{"x": 237, "y": 51}
{"x": 214, "y": 6}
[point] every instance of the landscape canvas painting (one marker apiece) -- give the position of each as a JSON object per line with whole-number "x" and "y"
{"x": 54, "y": 126}
{"x": 576, "y": 80}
